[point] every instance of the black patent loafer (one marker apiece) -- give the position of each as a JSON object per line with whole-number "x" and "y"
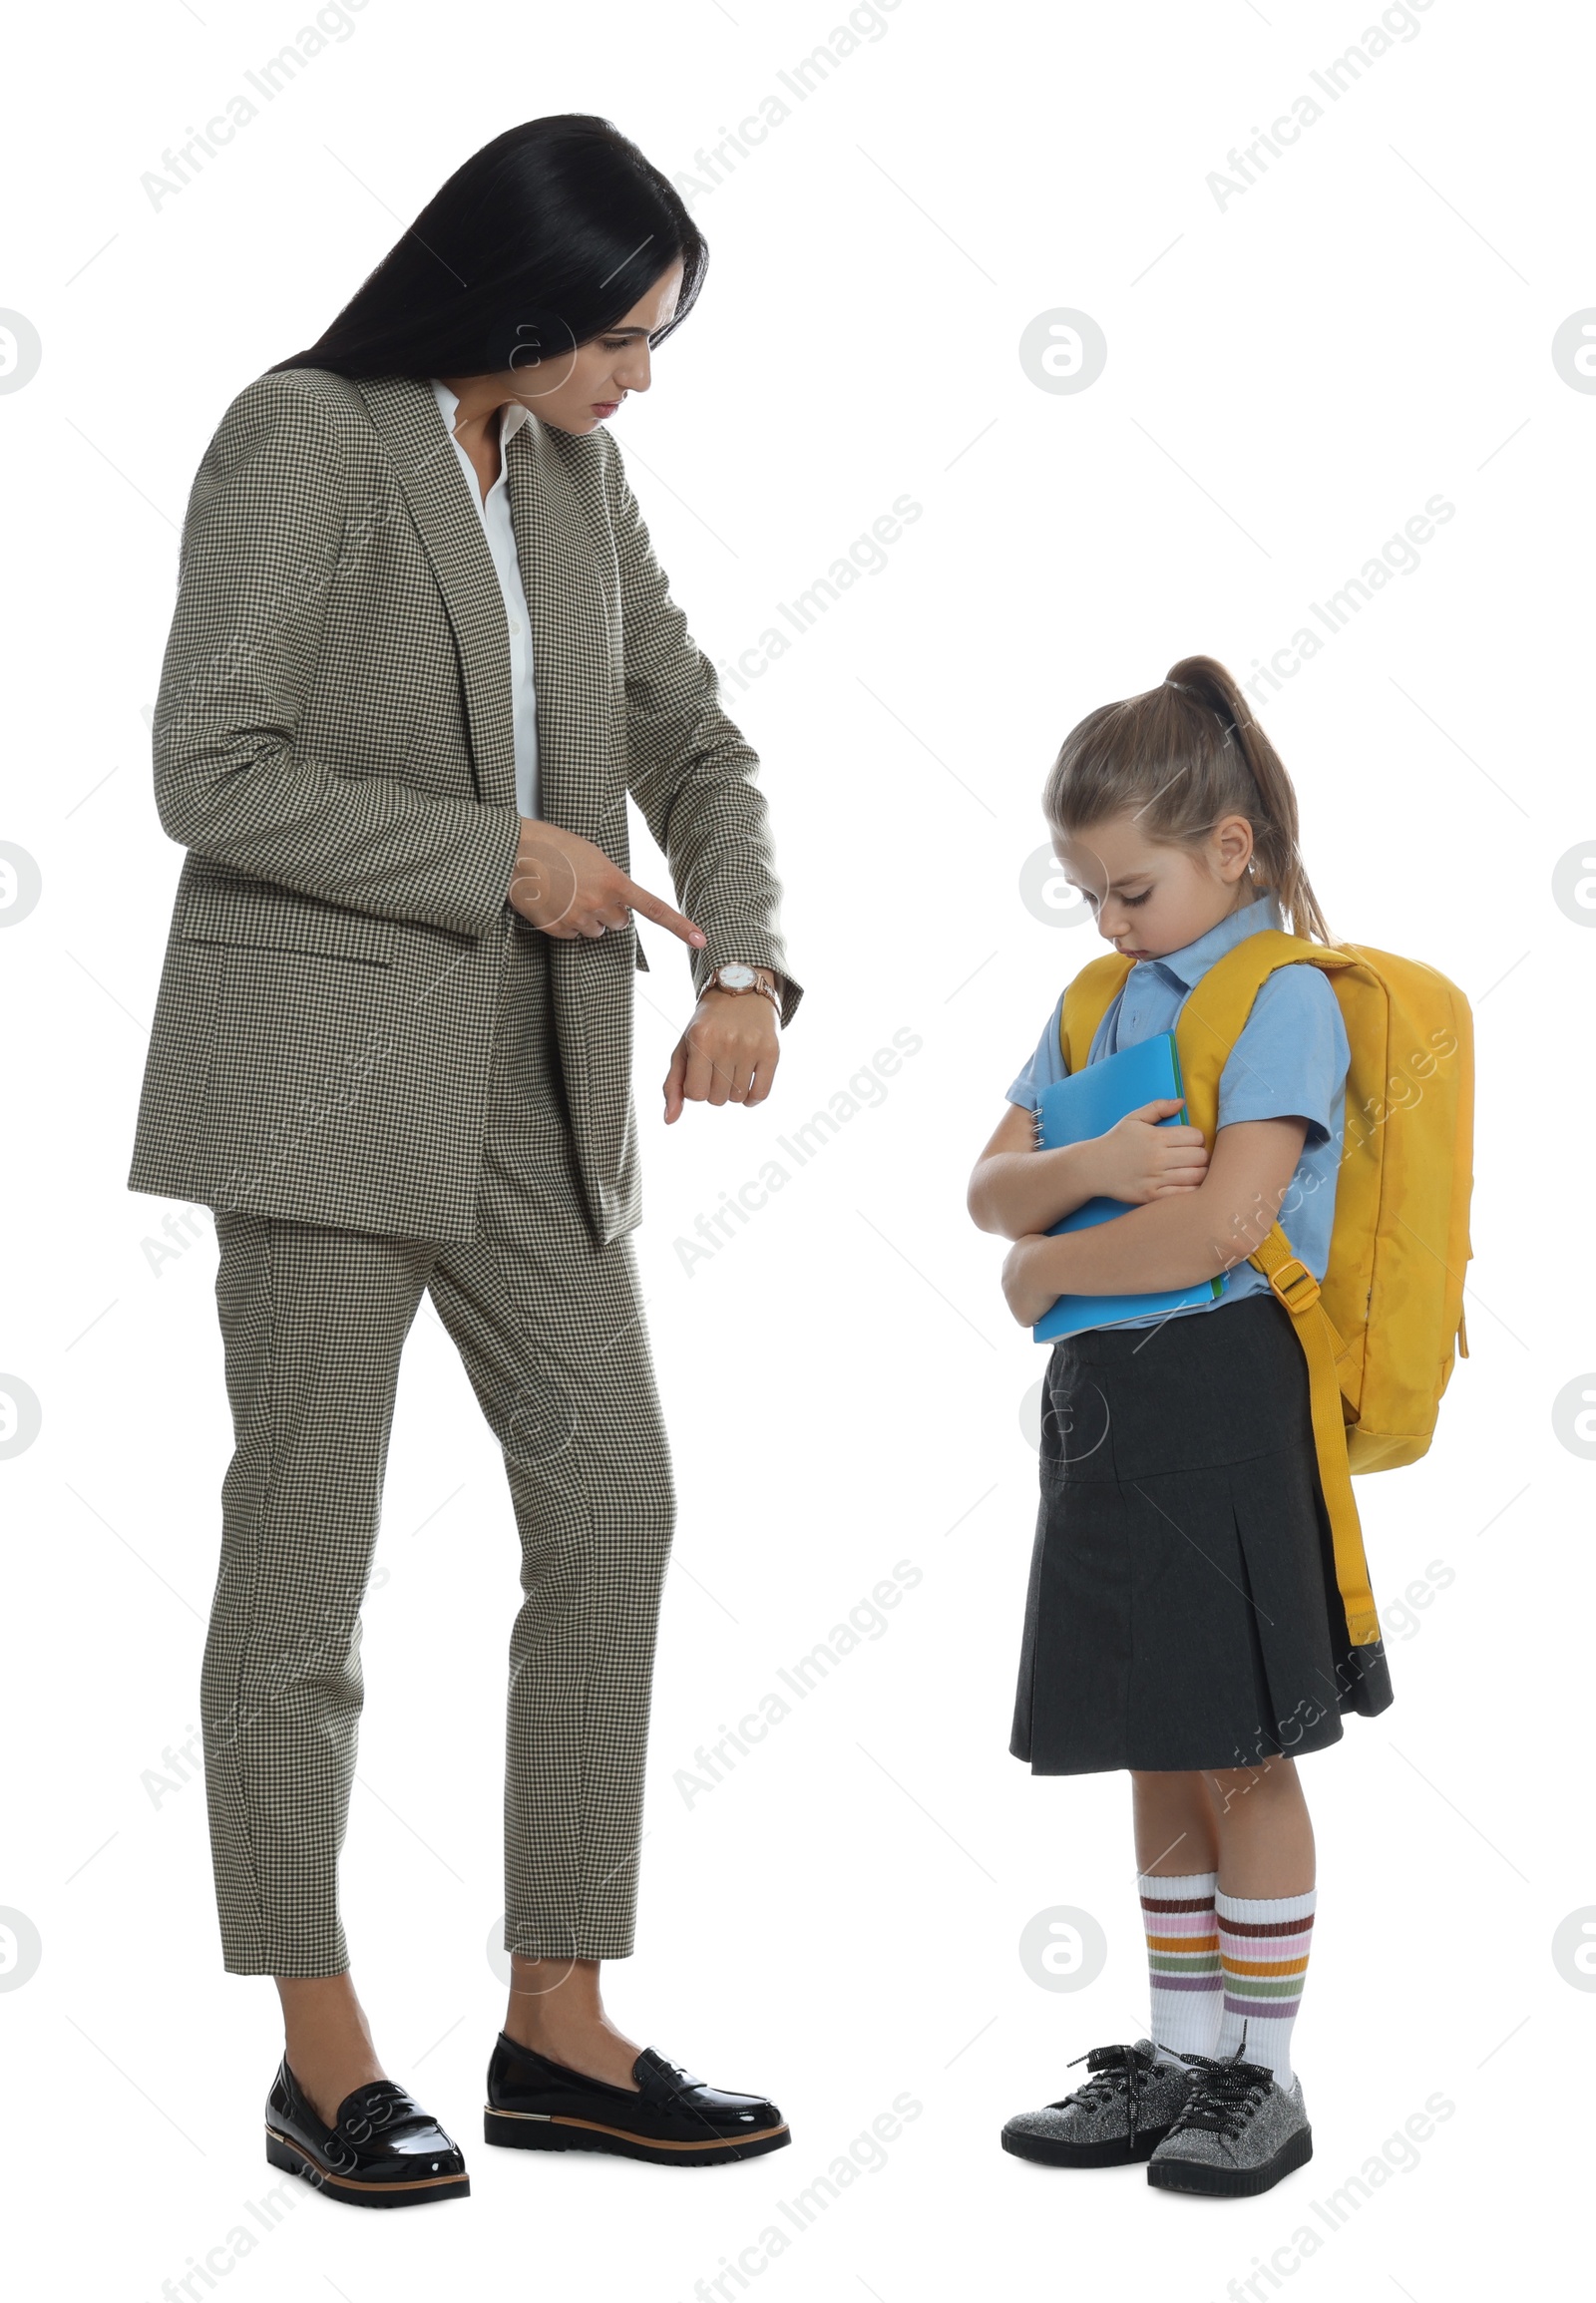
{"x": 674, "y": 2119}
{"x": 383, "y": 2150}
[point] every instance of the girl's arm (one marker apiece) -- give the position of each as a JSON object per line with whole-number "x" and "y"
{"x": 1016, "y": 1189}
{"x": 1186, "y": 1235}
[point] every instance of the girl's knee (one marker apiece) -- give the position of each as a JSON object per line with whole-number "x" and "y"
{"x": 1269, "y": 1778}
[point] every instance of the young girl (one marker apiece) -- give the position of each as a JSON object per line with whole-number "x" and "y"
{"x": 1183, "y": 1620}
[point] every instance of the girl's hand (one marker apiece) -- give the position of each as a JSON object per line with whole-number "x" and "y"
{"x": 1026, "y": 1288}
{"x": 1137, "y": 1160}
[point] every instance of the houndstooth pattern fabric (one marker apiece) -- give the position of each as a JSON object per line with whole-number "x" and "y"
{"x": 334, "y": 744}
{"x": 550, "y": 1326}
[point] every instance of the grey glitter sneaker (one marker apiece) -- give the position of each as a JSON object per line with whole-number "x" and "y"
{"x": 1120, "y": 2115}
{"x": 1237, "y": 2133}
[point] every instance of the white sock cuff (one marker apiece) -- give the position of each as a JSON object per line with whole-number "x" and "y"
{"x": 1173, "y": 1890}
{"x": 1261, "y": 1909}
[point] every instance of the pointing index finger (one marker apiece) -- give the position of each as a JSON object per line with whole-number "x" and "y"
{"x": 664, "y": 915}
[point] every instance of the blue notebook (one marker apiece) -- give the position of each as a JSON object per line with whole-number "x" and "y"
{"x": 1089, "y": 1103}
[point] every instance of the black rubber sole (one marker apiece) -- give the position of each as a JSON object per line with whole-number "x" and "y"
{"x": 1044, "y": 2151}
{"x": 520, "y": 2131}
{"x": 420, "y": 2192}
{"x": 1232, "y": 2183}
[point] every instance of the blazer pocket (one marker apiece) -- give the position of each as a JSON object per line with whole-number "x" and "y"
{"x": 260, "y": 914}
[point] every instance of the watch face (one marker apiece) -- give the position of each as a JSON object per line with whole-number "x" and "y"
{"x": 737, "y": 977}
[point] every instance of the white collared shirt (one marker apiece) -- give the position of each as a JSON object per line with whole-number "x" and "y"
{"x": 493, "y": 512}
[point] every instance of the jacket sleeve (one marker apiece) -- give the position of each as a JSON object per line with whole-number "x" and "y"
{"x": 690, "y": 770}
{"x": 262, "y": 543}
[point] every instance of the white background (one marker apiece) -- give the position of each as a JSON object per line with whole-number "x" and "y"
{"x": 1288, "y": 378}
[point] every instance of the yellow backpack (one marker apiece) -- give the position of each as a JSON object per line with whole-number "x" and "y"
{"x": 1381, "y": 1332}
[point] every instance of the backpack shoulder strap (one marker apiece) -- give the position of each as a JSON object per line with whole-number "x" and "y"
{"x": 1087, "y": 999}
{"x": 1217, "y": 1008}
{"x": 1210, "y": 1023}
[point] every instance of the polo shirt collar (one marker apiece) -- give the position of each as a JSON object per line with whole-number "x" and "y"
{"x": 1191, "y": 960}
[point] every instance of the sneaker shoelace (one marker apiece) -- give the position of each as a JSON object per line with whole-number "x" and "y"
{"x": 1224, "y": 2094}
{"x": 1115, "y": 2071}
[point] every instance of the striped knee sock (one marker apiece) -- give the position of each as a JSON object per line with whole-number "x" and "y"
{"x": 1183, "y": 1961}
{"x": 1263, "y": 1944}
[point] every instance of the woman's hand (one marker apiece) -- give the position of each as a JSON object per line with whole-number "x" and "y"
{"x": 1137, "y": 1160}
{"x": 567, "y": 887}
{"x": 1028, "y": 1288}
{"x": 728, "y": 1054}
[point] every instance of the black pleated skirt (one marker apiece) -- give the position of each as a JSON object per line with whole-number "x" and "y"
{"x": 1183, "y": 1610}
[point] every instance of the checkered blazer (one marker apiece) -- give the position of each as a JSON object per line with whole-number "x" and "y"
{"x": 333, "y": 746}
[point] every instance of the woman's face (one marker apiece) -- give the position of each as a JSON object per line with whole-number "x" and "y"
{"x": 1153, "y": 899}
{"x": 574, "y": 391}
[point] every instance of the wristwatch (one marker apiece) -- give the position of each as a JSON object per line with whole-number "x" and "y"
{"x": 737, "y": 976}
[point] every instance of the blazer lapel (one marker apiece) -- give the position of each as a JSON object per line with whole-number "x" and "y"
{"x": 405, "y": 412}
{"x": 576, "y": 642}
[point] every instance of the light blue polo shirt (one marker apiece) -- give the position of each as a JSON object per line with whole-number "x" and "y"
{"x": 1291, "y": 1062}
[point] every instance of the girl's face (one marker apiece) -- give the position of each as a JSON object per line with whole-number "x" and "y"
{"x": 1152, "y": 899}
{"x": 576, "y": 391}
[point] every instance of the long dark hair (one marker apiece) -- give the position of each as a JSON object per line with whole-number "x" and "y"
{"x": 1181, "y": 756}
{"x": 541, "y": 240}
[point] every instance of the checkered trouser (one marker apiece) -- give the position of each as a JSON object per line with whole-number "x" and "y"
{"x": 550, "y": 1330}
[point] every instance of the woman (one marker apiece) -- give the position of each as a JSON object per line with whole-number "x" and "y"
{"x": 422, "y": 652}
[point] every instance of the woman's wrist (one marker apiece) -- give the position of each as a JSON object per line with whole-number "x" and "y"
{"x": 767, "y": 983}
